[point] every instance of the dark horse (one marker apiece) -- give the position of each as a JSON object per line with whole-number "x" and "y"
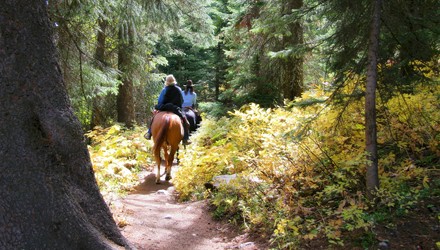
{"x": 167, "y": 131}
{"x": 193, "y": 118}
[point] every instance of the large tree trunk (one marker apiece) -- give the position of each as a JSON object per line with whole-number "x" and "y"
{"x": 217, "y": 80}
{"x": 125, "y": 102}
{"x": 97, "y": 115}
{"x": 370, "y": 101}
{"x": 292, "y": 73}
{"x": 49, "y": 198}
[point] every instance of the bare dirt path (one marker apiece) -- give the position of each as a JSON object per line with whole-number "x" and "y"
{"x": 151, "y": 218}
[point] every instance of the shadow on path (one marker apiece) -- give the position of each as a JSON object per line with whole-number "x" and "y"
{"x": 155, "y": 220}
{"x": 149, "y": 186}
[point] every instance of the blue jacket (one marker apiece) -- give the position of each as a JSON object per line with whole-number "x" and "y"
{"x": 170, "y": 94}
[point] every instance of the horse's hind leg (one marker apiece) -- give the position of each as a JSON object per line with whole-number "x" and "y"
{"x": 177, "y": 156}
{"x": 165, "y": 152}
{"x": 169, "y": 163}
{"x": 158, "y": 162}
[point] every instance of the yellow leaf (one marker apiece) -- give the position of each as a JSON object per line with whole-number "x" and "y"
{"x": 426, "y": 182}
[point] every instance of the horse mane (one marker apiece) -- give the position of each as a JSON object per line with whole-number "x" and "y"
{"x": 161, "y": 135}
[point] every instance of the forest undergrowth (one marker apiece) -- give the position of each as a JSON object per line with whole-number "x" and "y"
{"x": 300, "y": 168}
{"x": 118, "y": 156}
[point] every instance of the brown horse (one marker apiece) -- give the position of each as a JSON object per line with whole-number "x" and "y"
{"x": 167, "y": 131}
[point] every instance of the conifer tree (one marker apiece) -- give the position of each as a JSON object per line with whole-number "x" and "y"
{"x": 49, "y": 198}
{"x": 356, "y": 46}
{"x": 370, "y": 100}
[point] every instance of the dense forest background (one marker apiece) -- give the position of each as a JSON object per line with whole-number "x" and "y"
{"x": 312, "y": 103}
{"x": 115, "y": 54}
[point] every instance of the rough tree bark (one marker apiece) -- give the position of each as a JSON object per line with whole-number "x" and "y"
{"x": 49, "y": 198}
{"x": 97, "y": 116}
{"x": 292, "y": 73}
{"x": 219, "y": 53}
{"x": 370, "y": 101}
{"x": 125, "y": 102}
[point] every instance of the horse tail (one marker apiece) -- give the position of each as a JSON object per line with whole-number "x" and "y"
{"x": 161, "y": 135}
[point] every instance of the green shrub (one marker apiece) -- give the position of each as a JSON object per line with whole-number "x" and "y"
{"x": 302, "y": 175}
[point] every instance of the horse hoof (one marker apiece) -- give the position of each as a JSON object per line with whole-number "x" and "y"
{"x": 157, "y": 182}
{"x": 168, "y": 178}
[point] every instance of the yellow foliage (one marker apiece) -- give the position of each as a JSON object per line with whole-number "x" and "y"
{"x": 117, "y": 156}
{"x": 301, "y": 170}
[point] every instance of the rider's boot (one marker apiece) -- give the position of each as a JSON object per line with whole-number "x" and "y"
{"x": 148, "y": 135}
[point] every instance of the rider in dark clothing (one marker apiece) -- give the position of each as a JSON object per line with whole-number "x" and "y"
{"x": 171, "y": 99}
{"x": 171, "y": 94}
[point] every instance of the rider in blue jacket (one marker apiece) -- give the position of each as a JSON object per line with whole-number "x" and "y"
{"x": 171, "y": 99}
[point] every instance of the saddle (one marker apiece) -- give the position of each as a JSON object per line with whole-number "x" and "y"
{"x": 169, "y": 107}
{"x": 196, "y": 113}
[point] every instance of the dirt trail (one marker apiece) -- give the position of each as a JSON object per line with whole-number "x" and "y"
{"x": 151, "y": 218}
